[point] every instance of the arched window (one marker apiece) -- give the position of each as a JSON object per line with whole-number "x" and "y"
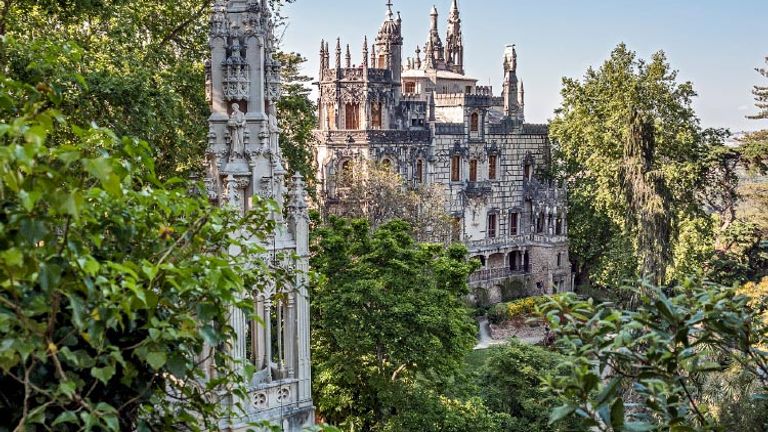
{"x": 352, "y": 111}
{"x": 492, "y": 167}
{"x": 492, "y": 225}
{"x": 513, "y": 223}
{"x": 528, "y": 171}
{"x": 382, "y": 61}
{"x": 376, "y": 115}
{"x": 473, "y": 170}
{"x": 456, "y": 168}
{"x": 474, "y": 122}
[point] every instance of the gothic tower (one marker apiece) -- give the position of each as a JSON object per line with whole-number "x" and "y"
{"x": 244, "y": 160}
{"x": 454, "y": 43}
{"x": 435, "y": 52}
{"x": 389, "y": 48}
{"x": 512, "y": 96}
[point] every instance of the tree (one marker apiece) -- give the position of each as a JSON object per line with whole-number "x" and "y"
{"x": 113, "y": 281}
{"x": 653, "y": 368}
{"x": 761, "y": 96}
{"x": 140, "y": 63}
{"x": 385, "y": 311}
{"x": 379, "y": 194}
{"x": 297, "y": 116}
{"x": 607, "y": 155}
{"x": 512, "y": 383}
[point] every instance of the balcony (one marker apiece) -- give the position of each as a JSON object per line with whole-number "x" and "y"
{"x": 492, "y": 274}
{"x": 478, "y": 188}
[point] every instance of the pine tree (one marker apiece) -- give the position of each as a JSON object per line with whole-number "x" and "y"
{"x": 761, "y": 96}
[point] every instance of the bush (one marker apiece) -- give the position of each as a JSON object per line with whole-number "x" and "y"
{"x": 515, "y": 309}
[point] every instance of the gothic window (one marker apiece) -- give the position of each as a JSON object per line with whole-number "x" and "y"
{"x": 473, "y": 170}
{"x": 492, "y": 167}
{"x": 382, "y": 61}
{"x": 474, "y": 122}
{"x": 419, "y": 171}
{"x": 331, "y": 113}
{"x": 410, "y": 87}
{"x": 492, "y": 225}
{"x": 352, "y": 111}
{"x": 513, "y": 223}
{"x": 540, "y": 223}
{"x": 456, "y": 168}
{"x": 559, "y": 259}
{"x": 559, "y": 226}
{"x": 376, "y": 115}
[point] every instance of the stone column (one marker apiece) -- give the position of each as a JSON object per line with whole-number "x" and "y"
{"x": 218, "y": 57}
{"x": 258, "y": 339}
{"x": 255, "y": 57}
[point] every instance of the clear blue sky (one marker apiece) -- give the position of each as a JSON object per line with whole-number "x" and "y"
{"x": 716, "y": 44}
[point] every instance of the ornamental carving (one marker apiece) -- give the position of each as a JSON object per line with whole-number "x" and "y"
{"x": 236, "y": 74}
{"x": 352, "y": 94}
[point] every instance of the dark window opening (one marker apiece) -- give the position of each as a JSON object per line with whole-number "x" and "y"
{"x": 473, "y": 170}
{"x": 492, "y": 167}
{"x": 456, "y": 168}
{"x": 513, "y": 223}
{"x": 420, "y": 171}
{"x": 492, "y": 225}
{"x": 376, "y": 115}
{"x": 474, "y": 122}
{"x": 352, "y": 111}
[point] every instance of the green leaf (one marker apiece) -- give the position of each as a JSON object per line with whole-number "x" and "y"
{"x": 561, "y": 412}
{"x": 617, "y": 414}
{"x": 65, "y": 417}
{"x": 103, "y": 374}
{"x": 12, "y": 257}
{"x": 156, "y": 359}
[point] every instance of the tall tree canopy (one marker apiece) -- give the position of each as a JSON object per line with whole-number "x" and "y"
{"x": 761, "y": 96}
{"x": 385, "y": 311}
{"x": 113, "y": 281}
{"x": 631, "y": 149}
{"x": 140, "y": 64}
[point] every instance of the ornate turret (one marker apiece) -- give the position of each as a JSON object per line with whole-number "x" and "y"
{"x": 434, "y": 48}
{"x": 512, "y": 104}
{"x": 454, "y": 48}
{"x": 389, "y": 47}
{"x": 243, "y": 160}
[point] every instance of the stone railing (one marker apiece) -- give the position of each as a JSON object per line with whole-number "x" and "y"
{"x": 374, "y": 136}
{"x": 275, "y": 395}
{"x": 449, "y": 129}
{"x": 494, "y": 243}
{"x": 478, "y": 188}
{"x": 494, "y": 274}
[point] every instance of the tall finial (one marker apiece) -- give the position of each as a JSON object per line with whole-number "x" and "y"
{"x": 365, "y": 51}
{"x": 338, "y": 53}
{"x": 348, "y": 58}
{"x": 417, "y": 62}
{"x": 390, "y": 15}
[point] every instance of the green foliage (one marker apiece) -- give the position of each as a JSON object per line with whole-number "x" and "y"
{"x": 112, "y": 281}
{"x": 647, "y": 369}
{"x": 512, "y": 383}
{"x": 297, "y": 117}
{"x": 761, "y": 96}
{"x": 593, "y": 131}
{"x": 423, "y": 410}
{"x": 385, "y": 311}
{"x": 516, "y": 309}
{"x": 139, "y": 65}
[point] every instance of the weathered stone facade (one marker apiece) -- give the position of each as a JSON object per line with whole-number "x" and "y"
{"x": 244, "y": 160}
{"x": 434, "y": 124}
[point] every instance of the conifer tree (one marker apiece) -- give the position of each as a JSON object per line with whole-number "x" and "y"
{"x": 761, "y": 96}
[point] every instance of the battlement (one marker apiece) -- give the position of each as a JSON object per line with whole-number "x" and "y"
{"x": 358, "y": 73}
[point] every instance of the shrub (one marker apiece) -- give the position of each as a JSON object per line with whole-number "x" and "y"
{"x": 515, "y": 309}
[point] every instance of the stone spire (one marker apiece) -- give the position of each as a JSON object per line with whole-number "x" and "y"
{"x": 373, "y": 56}
{"x": 365, "y": 51}
{"x": 454, "y": 48}
{"x": 348, "y": 58}
{"x": 338, "y": 53}
{"x": 418, "y": 58}
{"x": 434, "y": 48}
{"x": 512, "y": 106}
{"x": 323, "y": 65}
